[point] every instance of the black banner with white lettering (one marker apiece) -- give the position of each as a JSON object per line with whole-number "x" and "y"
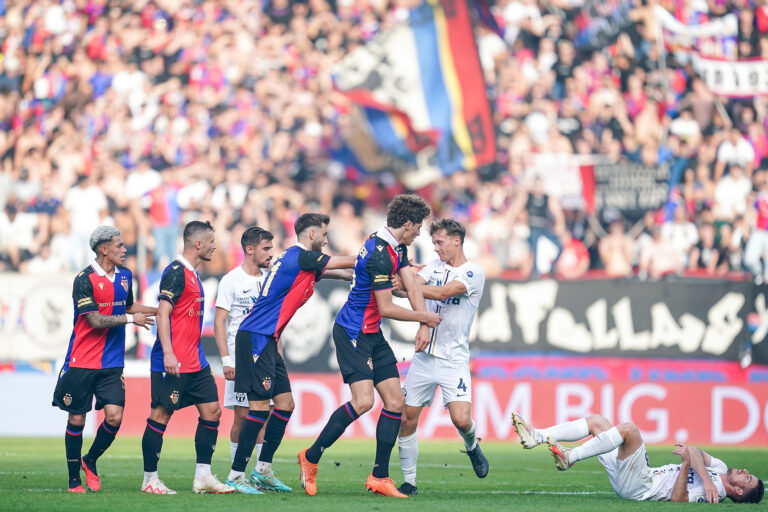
{"x": 631, "y": 188}
{"x": 757, "y": 322}
{"x": 679, "y": 318}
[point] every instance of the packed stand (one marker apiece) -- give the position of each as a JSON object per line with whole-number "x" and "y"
{"x": 150, "y": 114}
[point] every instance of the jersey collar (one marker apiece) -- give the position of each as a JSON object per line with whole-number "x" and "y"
{"x": 385, "y": 234}
{"x": 300, "y": 245}
{"x": 184, "y": 262}
{"x": 103, "y": 273}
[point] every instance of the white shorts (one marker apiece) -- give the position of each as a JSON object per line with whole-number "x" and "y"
{"x": 631, "y": 478}
{"x": 231, "y": 399}
{"x": 427, "y": 372}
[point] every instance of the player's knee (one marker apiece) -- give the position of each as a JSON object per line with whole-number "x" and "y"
{"x": 362, "y": 404}
{"x": 395, "y": 403}
{"x": 597, "y": 424}
{"x": 76, "y": 420}
{"x": 628, "y": 430}
{"x": 114, "y": 418}
{"x": 285, "y": 403}
{"x": 214, "y": 414}
{"x": 463, "y": 424}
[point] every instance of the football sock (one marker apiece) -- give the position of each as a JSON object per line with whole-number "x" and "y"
{"x": 273, "y": 434}
{"x": 202, "y": 470}
{"x": 470, "y": 441}
{"x": 73, "y": 446}
{"x": 408, "y": 447}
{"x": 104, "y": 437}
{"x": 386, "y": 433}
{"x": 569, "y": 431}
{"x": 257, "y": 450}
{"x": 205, "y": 440}
{"x": 603, "y": 442}
{"x": 149, "y": 475}
{"x": 337, "y": 424}
{"x": 248, "y": 434}
{"x": 232, "y": 450}
{"x": 151, "y": 444}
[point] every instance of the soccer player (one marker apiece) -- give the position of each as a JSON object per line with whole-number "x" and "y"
{"x": 452, "y": 286}
{"x": 103, "y": 298}
{"x": 699, "y": 478}
{"x": 365, "y": 358}
{"x": 180, "y": 374}
{"x": 236, "y": 296}
{"x": 260, "y": 369}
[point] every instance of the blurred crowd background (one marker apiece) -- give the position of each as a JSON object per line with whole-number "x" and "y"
{"x": 147, "y": 115}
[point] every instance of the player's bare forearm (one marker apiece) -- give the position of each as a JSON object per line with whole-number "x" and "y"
{"x": 164, "y": 326}
{"x": 220, "y": 331}
{"x": 680, "y": 489}
{"x": 338, "y": 262}
{"x": 399, "y": 294}
{"x": 445, "y": 291}
{"x": 415, "y": 297}
{"x": 99, "y": 321}
{"x": 141, "y": 308}
{"x": 340, "y": 274}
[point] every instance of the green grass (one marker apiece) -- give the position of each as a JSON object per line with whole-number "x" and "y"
{"x": 33, "y": 477}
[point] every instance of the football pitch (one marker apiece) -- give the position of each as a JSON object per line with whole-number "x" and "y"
{"x": 33, "y": 477}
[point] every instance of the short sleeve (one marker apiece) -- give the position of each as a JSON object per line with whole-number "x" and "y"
{"x": 402, "y": 251}
{"x": 473, "y": 279}
{"x": 172, "y": 283}
{"x": 379, "y": 267}
{"x": 313, "y": 261}
{"x": 225, "y": 294}
{"x": 82, "y": 295}
{"x": 717, "y": 466}
{"x": 426, "y": 271}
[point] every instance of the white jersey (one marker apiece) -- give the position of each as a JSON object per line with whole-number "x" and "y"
{"x": 237, "y": 294}
{"x": 450, "y": 339}
{"x": 663, "y": 481}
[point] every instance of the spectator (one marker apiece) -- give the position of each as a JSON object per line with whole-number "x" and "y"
{"x": 705, "y": 254}
{"x": 756, "y": 251}
{"x": 681, "y": 233}
{"x": 660, "y": 258}
{"x": 735, "y": 150}
{"x": 731, "y": 194}
{"x": 616, "y": 251}
{"x": 574, "y": 258}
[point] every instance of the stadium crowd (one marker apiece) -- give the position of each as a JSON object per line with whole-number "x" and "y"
{"x": 149, "y": 114}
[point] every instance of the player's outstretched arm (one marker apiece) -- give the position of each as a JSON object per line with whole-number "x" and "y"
{"x": 164, "y": 335}
{"x": 141, "y": 308}
{"x": 338, "y": 262}
{"x": 680, "y": 489}
{"x": 391, "y": 310}
{"x": 342, "y": 274}
{"x": 143, "y": 316}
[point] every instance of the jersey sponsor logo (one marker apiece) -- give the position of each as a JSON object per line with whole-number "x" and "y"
{"x": 107, "y": 304}
{"x": 381, "y": 278}
{"x": 167, "y": 293}
{"x": 67, "y": 399}
{"x": 84, "y": 301}
{"x": 175, "y": 397}
{"x": 266, "y": 383}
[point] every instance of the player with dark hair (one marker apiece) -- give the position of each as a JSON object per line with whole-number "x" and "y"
{"x": 260, "y": 370}
{"x": 453, "y": 287}
{"x": 699, "y": 477}
{"x": 180, "y": 374}
{"x": 103, "y": 299}
{"x": 236, "y": 296}
{"x": 365, "y": 358}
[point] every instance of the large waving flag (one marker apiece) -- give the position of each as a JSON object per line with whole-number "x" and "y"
{"x": 421, "y": 86}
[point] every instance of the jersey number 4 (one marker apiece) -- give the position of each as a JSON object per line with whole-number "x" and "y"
{"x": 462, "y": 386}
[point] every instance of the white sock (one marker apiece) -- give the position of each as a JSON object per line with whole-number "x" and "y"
{"x": 470, "y": 441}
{"x": 232, "y": 450}
{"x": 202, "y": 470}
{"x": 569, "y": 431}
{"x": 264, "y": 468}
{"x": 408, "y": 447}
{"x": 149, "y": 475}
{"x": 603, "y": 442}
{"x": 258, "y": 450}
{"x": 234, "y": 476}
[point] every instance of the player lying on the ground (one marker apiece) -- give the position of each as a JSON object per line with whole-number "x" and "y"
{"x": 620, "y": 449}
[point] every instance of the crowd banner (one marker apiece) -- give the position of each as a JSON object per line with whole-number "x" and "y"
{"x": 631, "y": 188}
{"x": 716, "y": 38}
{"x": 743, "y": 78}
{"x": 601, "y": 22}
{"x": 757, "y": 323}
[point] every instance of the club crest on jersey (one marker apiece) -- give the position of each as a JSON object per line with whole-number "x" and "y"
{"x": 470, "y": 274}
{"x": 370, "y": 363}
{"x": 266, "y": 383}
{"x": 67, "y": 399}
{"x": 124, "y": 283}
{"x": 175, "y": 397}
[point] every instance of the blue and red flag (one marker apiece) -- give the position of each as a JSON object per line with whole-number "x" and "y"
{"x": 421, "y": 88}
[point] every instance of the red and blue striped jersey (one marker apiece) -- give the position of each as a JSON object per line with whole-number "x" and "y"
{"x": 93, "y": 291}
{"x": 761, "y": 206}
{"x": 290, "y": 283}
{"x": 377, "y": 263}
{"x": 181, "y": 286}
